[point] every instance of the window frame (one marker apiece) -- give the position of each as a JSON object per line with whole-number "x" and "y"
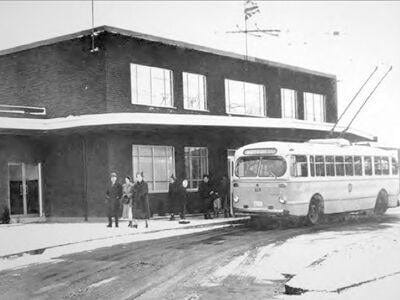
{"x": 323, "y": 109}
{"x": 227, "y": 98}
{"x": 190, "y": 187}
{"x": 146, "y": 179}
{"x": 295, "y": 103}
{"x": 185, "y": 102}
{"x": 136, "y": 93}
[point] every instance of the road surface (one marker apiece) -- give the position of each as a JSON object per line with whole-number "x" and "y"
{"x": 171, "y": 268}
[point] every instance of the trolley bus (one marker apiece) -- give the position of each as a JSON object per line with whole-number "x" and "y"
{"x": 314, "y": 178}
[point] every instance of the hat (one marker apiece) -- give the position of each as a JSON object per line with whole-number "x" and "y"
{"x": 113, "y": 174}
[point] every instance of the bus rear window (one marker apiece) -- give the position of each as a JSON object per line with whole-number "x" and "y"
{"x": 247, "y": 166}
{"x": 272, "y": 167}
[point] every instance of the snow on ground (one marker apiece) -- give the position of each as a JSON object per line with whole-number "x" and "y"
{"x": 26, "y": 237}
{"x": 52, "y": 255}
{"x": 324, "y": 261}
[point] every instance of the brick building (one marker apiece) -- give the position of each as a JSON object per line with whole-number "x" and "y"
{"x": 69, "y": 116}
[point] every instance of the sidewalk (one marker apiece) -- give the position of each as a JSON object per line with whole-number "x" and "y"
{"x": 34, "y": 238}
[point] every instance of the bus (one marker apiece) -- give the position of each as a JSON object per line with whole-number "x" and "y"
{"x": 314, "y": 178}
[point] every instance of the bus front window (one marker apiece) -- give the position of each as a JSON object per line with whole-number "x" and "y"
{"x": 247, "y": 166}
{"x": 272, "y": 167}
{"x": 263, "y": 167}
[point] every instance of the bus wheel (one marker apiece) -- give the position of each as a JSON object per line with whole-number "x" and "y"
{"x": 381, "y": 204}
{"x": 315, "y": 210}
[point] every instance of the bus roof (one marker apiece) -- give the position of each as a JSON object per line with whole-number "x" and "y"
{"x": 315, "y": 148}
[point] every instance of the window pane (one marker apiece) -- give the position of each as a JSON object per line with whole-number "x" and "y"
{"x": 368, "y": 165}
{"x": 247, "y": 166}
{"x": 377, "y": 165}
{"x": 330, "y": 167}
{"x": 272, "y": 167}
{"x": 145, "y": 150}
{"x": 194, "y": 91}
{"x": 314, "y": 107}
{"x": 143, "y": 86}
{"x": 319, "y": 165}
{"x": 299, "y": 166}
{"x": 385, "y": 165}
{"x": 395, "y": 169}
{"x": 196, "y": 164}
{"x": 160, "y": 151}
{"x": 348, "y": 165}
{"x": 235, "y": 92}
{"x": 339, "y": 166}
{"x": 357, "y": 166}
{"x": 146, "y": 166}
{"x": 244, "y": 98}
{"x": 308, "y": 107}
{"x": 289, "y": 103}
{"x": 312, "y": 165}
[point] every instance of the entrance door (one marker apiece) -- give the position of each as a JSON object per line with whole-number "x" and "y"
{"x": 25, "y": 194}
{"x": 231, "y": 169}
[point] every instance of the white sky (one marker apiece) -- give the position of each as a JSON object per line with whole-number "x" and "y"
{"x": 369, "y": 36}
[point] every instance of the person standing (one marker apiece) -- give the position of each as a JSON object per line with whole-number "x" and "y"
{"x": 113, "y": 198}
{"x": 141, "y": 199}
{"x": 205, "y": 193}
{"x": 172, "y": 189}
{"x": 223, "y": 191}
{"x": 127, "y": 200}
{"x": 182, "y": 197}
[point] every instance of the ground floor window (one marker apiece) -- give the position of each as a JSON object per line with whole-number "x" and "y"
{"x": 196, "y": 164}
{"x": 157, "y": 164}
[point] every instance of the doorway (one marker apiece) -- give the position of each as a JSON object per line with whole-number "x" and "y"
{"x": 25, "y": 189}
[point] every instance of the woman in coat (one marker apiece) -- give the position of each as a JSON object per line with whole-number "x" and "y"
{"x": 141, "y": 199}
{"x": 127, "y": 200}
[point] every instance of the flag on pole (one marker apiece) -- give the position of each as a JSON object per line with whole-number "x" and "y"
{"x": 250, "y": 9}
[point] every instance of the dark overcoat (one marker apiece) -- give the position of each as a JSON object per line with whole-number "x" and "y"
{"x": 113, "y": 197}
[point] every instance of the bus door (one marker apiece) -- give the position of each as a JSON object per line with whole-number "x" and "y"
{"x": 230, "y": 171}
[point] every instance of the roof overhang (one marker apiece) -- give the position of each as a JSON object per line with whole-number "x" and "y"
{"x": 97, "y": 120}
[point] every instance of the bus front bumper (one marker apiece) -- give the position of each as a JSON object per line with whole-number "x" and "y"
{"x": 262, "y": 211}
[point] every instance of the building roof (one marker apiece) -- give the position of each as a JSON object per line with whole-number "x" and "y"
{"x": 96, "y": 120}
{"x": 165, "y": 41}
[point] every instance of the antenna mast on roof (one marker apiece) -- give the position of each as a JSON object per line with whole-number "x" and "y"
{"x": 251, "y": 8}
{"x": 366, "y": 100}
{"x": 351, "y": 102}
{"x": 93, "y": 35}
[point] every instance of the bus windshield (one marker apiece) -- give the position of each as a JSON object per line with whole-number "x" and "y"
{"x": 253, "y": 166}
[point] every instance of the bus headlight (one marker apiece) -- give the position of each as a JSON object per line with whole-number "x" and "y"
{"x": 235, "y": 199}
{"x": 282, "y": 200}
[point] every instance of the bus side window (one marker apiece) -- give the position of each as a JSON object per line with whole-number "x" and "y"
{"x": 348, "y": 165}
{"x": 367, "y": 165}
{"x": 378, "y": 165}
{"x": 319, "y": 165}
{"x": 395, "y": 169}
{"x": 312, "y": 166}
{"x": 385, "y": 165}
{"x": 357, "y": 166}
{"x": 330, "y": 167}
{"x": 299, "y": 166}
{"x": 339, "y": 165}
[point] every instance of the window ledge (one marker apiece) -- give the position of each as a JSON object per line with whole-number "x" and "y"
{"x": 156, "y": 106}
{"x": 245, "y": 115}
{"x": 193, "y": 109}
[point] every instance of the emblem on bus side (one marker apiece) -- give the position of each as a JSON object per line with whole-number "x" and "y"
{"x": 350, "y": 187}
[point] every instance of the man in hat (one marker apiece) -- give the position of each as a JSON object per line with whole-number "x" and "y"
{"x": 113, "y": 197}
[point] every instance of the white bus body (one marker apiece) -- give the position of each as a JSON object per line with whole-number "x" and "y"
{"x": 345, "y": 178}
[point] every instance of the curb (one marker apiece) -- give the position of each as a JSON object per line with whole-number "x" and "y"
{"x": 237, "y": 222}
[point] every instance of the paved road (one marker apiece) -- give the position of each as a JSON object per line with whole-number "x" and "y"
{"x": 171, "y": 268}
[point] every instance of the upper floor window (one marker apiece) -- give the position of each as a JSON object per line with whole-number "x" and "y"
{"x": 194, "y": 91}
{"x": 289, "y": 103}
{"x": 244, "y": 98}
{"x": 151, "y": 86}
{"x": 314, "y": 107}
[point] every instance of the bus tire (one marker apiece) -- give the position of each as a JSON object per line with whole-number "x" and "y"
{"x": 315, "y": 210}
{"x": 381, "y": 203}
